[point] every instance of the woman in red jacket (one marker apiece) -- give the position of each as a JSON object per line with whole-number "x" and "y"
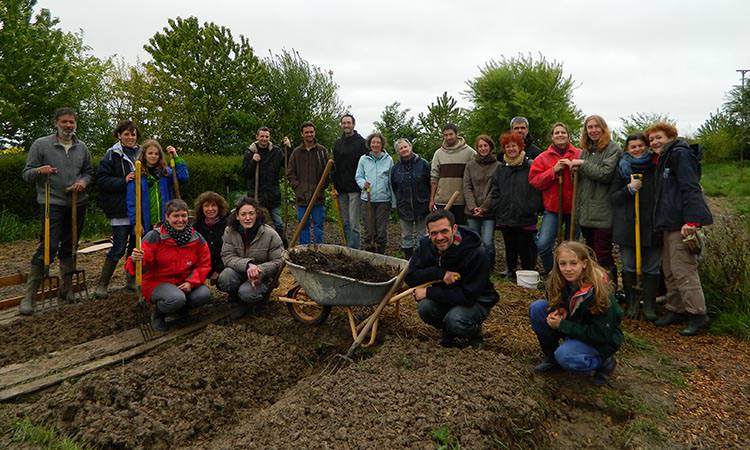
{"x": 545, "y": 174}
{"x": 176, "y": 261}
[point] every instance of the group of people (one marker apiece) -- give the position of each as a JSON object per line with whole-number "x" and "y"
{"x": 593, "y": 190}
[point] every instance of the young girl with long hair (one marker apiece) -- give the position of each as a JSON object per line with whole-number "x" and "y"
{"x": 581, "y": 311}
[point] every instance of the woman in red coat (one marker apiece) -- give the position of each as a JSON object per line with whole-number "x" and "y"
{"x": 176, "y": 261}
{"x": 545, "y": 174}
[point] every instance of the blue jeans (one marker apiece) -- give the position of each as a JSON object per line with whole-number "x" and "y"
{"x": 123, "y": 240}
{"x": 351, "y": 216}
{"x": 412, "y": 231}
{"x": 545, "y": 239}
{"x": 318, "y": 216}
{"x": 278, "y": 224}
{"x": 572, "y": 355}
{"x": 459, "y": 321}
{"x": 650, "y": 259}
{"x": 485, "y": 228}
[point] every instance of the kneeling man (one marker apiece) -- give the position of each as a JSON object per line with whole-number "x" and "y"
{"x": 462, "y": 300}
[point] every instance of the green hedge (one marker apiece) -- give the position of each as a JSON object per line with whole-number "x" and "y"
{"x": 222, "y": 174}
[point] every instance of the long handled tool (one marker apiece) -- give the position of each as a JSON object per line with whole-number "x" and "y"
{"x": 142, "y": 310}
{"x": 371, "y": 246}
{"x": 341, "y": 217}
{"x": 257, "y": 180}
{"x": 176, "y": 182}
{"x": 638, "y": 255}
{"x": 50, "y": 285}
{"x": 559, "y": 209}
{"x": 572, "y": 226}
{"x": 284, "y": 182}
{"x": 79, "y": 288}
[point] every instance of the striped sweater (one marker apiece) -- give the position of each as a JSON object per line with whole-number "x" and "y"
{"x": 448, "y": 165}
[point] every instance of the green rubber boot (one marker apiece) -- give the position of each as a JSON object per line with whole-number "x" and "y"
{"x": 32, "y": 285}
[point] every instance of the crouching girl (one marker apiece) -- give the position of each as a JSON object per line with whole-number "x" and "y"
{"x": 252, "y": 255}
{"x": 582, "y": 312}
{"x": 176, "y": 261}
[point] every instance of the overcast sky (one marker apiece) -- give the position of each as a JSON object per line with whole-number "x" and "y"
{"x": 670, "y": 57}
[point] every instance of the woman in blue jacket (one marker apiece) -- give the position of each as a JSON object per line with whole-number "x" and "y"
{"x": 410, "y": 182}
{"x": 373, "y": 177}
{"x": 156, "y": 183}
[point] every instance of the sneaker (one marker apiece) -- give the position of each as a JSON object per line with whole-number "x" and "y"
{"x": 603, "y": 373}
{"x": 547, "y": 365}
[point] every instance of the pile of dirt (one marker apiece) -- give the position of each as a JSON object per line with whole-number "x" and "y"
{"x": 395, "y": 399}
{"x": 169, "y": 398}
{"x": 343, "y": 264}
{"x": 65, "y": 326}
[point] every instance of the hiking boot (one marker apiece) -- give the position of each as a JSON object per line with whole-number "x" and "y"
{"x": 696, "y": 322}
{"x": 669, "y": 318}
{"x": 36, "y": 274}
{"x": 158, "y": 322}
{"x": 547, "y": 365}
{"x": 446, "y": 340}
{"x": 650, "y": 286}
{"x": 604, "y": 372}
{"x": 67, "y": 267}
{"x": 107, "y": 270}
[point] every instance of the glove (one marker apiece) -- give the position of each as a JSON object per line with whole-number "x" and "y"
{"x": 694, "y": 242}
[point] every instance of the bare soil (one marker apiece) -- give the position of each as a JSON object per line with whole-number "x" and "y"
{"x": 268, "y": 382}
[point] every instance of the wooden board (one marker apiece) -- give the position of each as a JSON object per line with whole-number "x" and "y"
{"x": 52, "y": 294}
{"x": 13, "y": 280}
{"x": 95, "y": 248}
{"x": 31, "y": 376}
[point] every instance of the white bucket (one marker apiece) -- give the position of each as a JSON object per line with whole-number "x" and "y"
{"x": 527, "y": 278}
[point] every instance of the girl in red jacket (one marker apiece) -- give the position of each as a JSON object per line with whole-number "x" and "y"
{"x": 176, "y": 261}
{"x": 545, "y": 174}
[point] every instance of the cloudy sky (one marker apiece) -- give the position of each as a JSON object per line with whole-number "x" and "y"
{"x": 670, "y": 57}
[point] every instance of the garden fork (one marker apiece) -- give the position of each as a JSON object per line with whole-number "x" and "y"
{"x": 143, "y": 310}
{"x": 50, "y": 285}
{"x": 79, "y": 287}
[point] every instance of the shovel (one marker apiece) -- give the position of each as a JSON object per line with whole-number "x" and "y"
{"x": 637, "y": 291}
{"x": 334, "y": 194}
{"x": 143, "y": 313}
{"x": 79, "y": 288}
{"x": 50, "y": 285}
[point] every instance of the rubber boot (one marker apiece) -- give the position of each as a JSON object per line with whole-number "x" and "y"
{"x": 669, "y": 318}
{"x": 549, "y": 363}
{"x": 650, "y": 287}
{"x": 631, "y": 301}
{"x": 33, "y": 282}
{"x": 603, "y": 373}
{"x": 107, "y": 270}
{"x": 446, "y": 340}
{"x": 67, "y": 267}
{"x": 157, "y": 320}
{"x": 696, "y": 322}
{"x": 408, "y": 252}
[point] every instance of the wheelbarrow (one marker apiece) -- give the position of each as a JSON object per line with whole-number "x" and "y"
{"x": 315, "y": 293}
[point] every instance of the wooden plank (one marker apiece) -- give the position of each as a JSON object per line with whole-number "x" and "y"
{"x": 15, "y": 300}
{"x": 95, "y": 248}
{"x": 53, "y": 378}
{"x": 13, "y": 280}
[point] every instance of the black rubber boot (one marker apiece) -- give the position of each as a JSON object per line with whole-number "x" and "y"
{"x": 36, "y": 274}
{"x": 696, "y": 322}
{"x": 157, "y": 321}
{"x": 549, "y": 363}
{"x": 107, "y": 270}
{"x": 650, "y": 287}
{"x": 631, "y": 300}
{"x": 603, "y": 373}
{"x": 669, "y": 318}
{"x": 446, "y": 340}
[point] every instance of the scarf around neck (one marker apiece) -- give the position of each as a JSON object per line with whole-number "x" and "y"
{"x": 486, "y": 159}
{"x": 514, "y": 162}
{"x": 629, "y": 165}
{"x": 180, "y": 237}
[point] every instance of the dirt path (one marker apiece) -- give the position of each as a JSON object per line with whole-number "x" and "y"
{"x": 266, "y": 382}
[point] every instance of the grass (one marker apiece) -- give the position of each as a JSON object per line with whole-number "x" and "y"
{"x": 46, "y": 438}
{"x": 637, "y": 344}
{"x": 445, "y": 439}
{"x": 730, "y": 180}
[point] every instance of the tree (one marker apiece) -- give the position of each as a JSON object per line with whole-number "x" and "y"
{"x": 444, "y": 110}
{"x": 131, "y": 96}
{"x": 395, "y": 123}
{"x": 719, "y": 137}
{"x": 638, "y": 122}
{"x": 522, "y": 86}
{"x": 297, "y": 92}
{"x": 737, "y": 107}
{"x": 208, "y": 84}
{"x": 41, "y": 69}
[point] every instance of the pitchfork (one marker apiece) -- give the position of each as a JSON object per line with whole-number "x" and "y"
{"x": 143, "y": 310}
{"x": 79, "y": 288}
{"x": 50, "y": 285}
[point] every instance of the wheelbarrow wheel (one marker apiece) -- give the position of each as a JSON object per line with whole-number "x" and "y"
{"x": 309, "y": 314}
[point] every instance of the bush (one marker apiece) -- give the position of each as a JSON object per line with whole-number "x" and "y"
{"x": 725, "y": 275}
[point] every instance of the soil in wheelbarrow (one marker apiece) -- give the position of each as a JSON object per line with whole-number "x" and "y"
{"x": 344, "y": 265}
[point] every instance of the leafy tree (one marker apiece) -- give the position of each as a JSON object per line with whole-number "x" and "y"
{"x": 638, "y": 122}
{"x": 297, "y": 92}
{"x": 41, "y": 69}
{"x": 444, "y": 110}
{"x": 719, "y": 137}
{"x": 522, "y": 86}
{"x": 737, "y": 107}
{"x": 131, "y": 96}
{"x": 395, "y": 123}
{"x": 208, "y": 84}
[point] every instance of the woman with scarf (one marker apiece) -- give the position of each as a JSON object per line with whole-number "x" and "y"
{"x": 550, "y": 174}
{"x": 636, "y": 175}
{"x": 477, "y": 187}
{"x": 157, "y": 185}
{"x": 373, "y": 178}
{"x": 211, "y": 211}
{"x": 410, "y": 182}
{"x": 516, "y": 204}
{"x": 251, "y": 253}
{"x": 116, "y": 169}
{"x": 176, "y": 260}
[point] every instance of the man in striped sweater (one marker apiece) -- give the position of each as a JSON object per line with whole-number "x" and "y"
{"x": 447, "y": 172}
